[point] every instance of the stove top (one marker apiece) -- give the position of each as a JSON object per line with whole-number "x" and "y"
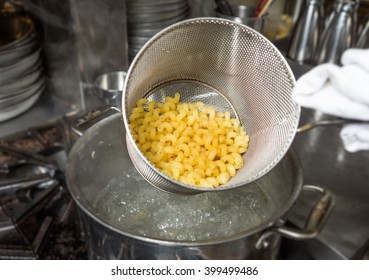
{"x": 38, "y": 218}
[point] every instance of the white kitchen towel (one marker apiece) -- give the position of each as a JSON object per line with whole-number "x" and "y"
{"x": 355, "y": 137}
{"x": 341, "y": 91}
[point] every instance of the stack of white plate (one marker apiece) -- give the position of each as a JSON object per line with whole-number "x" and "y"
{"x": 146, "y": 18}
{"x": 21, "y": 70}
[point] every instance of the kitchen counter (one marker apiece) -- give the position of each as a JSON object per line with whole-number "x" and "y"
{"x": 326, "y": 163}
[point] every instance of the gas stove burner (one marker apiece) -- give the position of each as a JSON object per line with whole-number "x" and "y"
{"x": 22, "y": 225}
{"x": 37, "y": 215}
{"x": 28, "y": 250}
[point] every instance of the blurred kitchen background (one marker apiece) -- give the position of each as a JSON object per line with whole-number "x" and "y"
{"x": 54, "y": 60}
{"x": 78, "y": 41}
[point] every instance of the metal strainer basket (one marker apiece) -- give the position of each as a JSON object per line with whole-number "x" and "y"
{"x": 229, "y": 66}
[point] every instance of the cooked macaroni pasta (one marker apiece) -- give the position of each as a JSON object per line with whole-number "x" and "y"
{"x": 191, "y": 143}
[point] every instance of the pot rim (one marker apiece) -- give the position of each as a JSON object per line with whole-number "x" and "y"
{"x": 129, "y": 234}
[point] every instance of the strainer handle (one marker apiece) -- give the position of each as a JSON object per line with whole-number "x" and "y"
{"x": 316, "y": 220}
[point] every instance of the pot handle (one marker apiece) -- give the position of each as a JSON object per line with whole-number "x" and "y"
{"x": 80, "y": 124}
{"x": 316, "y": 220}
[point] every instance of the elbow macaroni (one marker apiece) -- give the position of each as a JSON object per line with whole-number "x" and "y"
{"x": 191, "y": 143}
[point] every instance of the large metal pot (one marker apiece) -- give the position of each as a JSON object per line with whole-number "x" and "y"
{"x": 99, "y": 169}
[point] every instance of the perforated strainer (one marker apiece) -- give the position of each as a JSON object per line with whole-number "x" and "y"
{"x": 229, "y": 66}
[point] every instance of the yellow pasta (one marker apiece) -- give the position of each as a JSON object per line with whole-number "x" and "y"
{"x": 191, "y": 143}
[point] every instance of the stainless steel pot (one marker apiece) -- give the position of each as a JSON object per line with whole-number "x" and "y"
{"x": 99, "y": 169}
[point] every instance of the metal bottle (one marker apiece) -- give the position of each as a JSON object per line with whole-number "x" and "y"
{"x": 363, "y": 38}
{"x": 306, "y": 33}
{"x": 339, "y": 34}
{"x": 337, "y": 5}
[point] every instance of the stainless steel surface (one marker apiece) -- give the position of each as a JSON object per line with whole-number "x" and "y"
{"x": 328, "y": 122}
{"x": 339, "y": 35}
{"x": 146, "y": 18}
{"x": 82, "y": 123}
{"x": 14, "y": 70}
{"x": 13, "y": 87}
{"x": 104, "y": 144}
{"x": 323, "y": 157}
{"x": 20, "y": 55}
{"x": 298, "y": 69}
{"x": 308, "y": 250}
{"x": 362, "y": 253}
{"x": 244, "y": 11}
{"x": 165, "y": 12}
{"x": 78, "y": 46}
{"x": 12, "y": 185}
{"x": 99, "y": 49}
{"x": 110, "y": 87}
{"x": 306, "y": 32}
{"x": 293, "y": 8}
{"x": 325, "y": 161}
{"x": 46, "y": 110}
{"x": 363, "y": 37}
{"x": 245, "y": 15}
{"x": 58, "y": 39}
{"x": 11, "y": 54}
{"x": 7, "y": 101}
{"x": 243, "y": 71}
{"x": 315, "y": 223}
{"x": 335, "y": 8}
{"x": 13, "y": 110}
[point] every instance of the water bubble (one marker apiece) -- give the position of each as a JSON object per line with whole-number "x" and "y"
{"x": 147, "y": 211}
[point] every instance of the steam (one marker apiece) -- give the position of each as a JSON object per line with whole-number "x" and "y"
{"x": 82, "y": 39}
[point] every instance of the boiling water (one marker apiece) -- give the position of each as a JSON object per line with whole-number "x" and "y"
{"x": 141, "y": 209}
